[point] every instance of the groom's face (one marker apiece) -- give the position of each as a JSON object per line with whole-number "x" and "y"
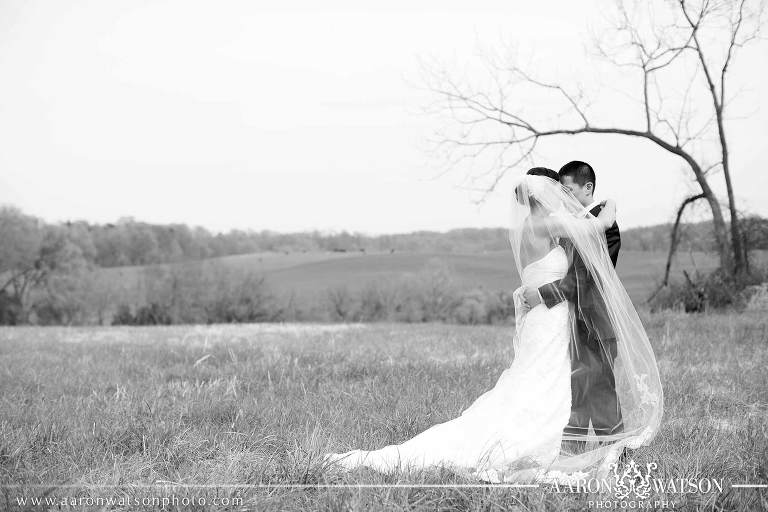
{"x": 582, "y": 193}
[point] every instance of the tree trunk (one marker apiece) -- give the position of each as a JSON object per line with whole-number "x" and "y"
{"x": 721, "y": 232}
{"x": 739, "y": 263}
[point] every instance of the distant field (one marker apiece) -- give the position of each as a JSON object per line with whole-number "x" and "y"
{"x": 639, "y": 271}
{"x": 309, "y": 274}
{"x": 131, "y": 411}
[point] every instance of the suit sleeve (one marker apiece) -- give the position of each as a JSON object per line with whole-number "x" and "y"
{"x": 573, "y": 287}
{"x": 613, "y": 239}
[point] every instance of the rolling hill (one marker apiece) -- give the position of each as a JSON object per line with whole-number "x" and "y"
{"x": 312, "y": 273}
{"x": 639, "y": 271}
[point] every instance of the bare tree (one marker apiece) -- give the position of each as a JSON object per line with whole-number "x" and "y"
{"x": 658, "y": 45}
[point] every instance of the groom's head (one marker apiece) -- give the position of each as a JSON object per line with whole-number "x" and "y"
{"x": 579, "y": 178}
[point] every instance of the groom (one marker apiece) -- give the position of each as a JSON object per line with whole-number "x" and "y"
{"x": 593, "y": 343}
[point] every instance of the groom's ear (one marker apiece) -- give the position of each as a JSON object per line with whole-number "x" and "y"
{"x": 589, "y": 187}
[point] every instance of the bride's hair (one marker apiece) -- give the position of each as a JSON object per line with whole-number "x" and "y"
{"x": 536, "y": 206}
{"x": 543, "y": 171}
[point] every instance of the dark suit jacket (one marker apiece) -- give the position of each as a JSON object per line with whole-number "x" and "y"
{"x": 592, "y": 322}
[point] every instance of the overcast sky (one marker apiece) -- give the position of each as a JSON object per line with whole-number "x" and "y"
{"x": 295, "y": 115}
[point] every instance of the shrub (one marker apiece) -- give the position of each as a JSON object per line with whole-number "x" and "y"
{"x": 480, "y": 306}
{"x": 756, "y": 297}
{"x": 238, "y": 299}
{"x": 201, "y": 293}
{"x": 341, "y": 304}
{"x": 430, "y": 295}
{"x": 471, "y": 308}
{"x": 716, "y": 290}
{"x": 123, "y": 316}
{"x": 153, "y": 314}
{"x": 10, "y": 309}
{"x": 378, "y": 302}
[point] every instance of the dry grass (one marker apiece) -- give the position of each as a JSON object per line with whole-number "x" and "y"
{"x": 254, "y": 404}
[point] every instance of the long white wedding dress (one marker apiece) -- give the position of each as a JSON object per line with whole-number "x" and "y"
{"x": 516, "y": 425}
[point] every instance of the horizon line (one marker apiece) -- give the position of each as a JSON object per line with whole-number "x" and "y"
{"x": 323, "y": 231}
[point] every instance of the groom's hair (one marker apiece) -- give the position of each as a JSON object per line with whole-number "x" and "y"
{"x": 543, "y": 171}
{"x": 580, "y": 172}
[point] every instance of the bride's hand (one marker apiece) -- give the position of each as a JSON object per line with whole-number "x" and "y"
{"x": 532, "y": 297}
{"x": 607, "y": 215}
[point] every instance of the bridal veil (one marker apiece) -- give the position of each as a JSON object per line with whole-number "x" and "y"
{"x": 609, "y": 347}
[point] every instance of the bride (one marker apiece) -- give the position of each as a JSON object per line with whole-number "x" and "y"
{"x": 514, "y": 432}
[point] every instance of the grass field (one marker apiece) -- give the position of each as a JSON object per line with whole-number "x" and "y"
{"x": 106, "y": 410}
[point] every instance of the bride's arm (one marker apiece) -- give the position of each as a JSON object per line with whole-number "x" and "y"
{"x": 562, "y": 225}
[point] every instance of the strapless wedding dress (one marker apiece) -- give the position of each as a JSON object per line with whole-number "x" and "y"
{"x": 513, "y": 430}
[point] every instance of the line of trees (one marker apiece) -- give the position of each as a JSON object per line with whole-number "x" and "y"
{"x": 129, "y": 242}
{"x": 132, "y": 243}
{"x": 51, "y": 273}
{"x": 48, "y": 279}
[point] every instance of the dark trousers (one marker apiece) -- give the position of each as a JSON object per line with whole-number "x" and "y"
{"x": 593, "y": 388}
